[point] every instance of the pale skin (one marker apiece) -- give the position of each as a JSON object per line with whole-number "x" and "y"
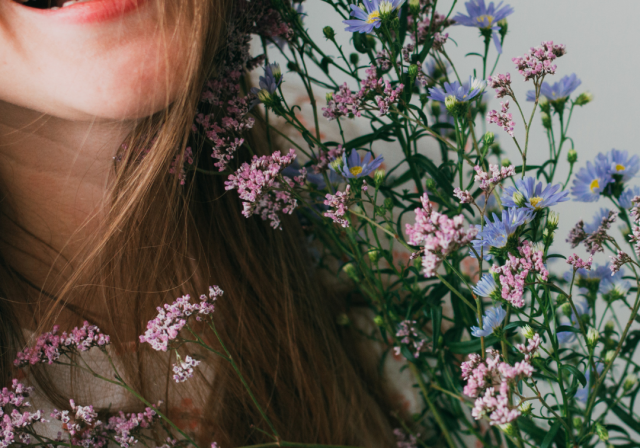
{"x": 69, "y": 94}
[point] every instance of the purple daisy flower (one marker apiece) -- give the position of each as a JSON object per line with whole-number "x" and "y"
{"x": 496, "y": 234}
{"x": 619, "y": 163}
{"x": 268, "y": 83}
{"x": 485, "y": 17}
{"x": 590, "y": 182}
{"x": 354, "y": 167}
{"x": 491, "y": 320}
{"x": 535, "y": 198}
{"x": 559, "y": 90}
{"x": 369, "y": 18}
{"x": 462, "y": 92}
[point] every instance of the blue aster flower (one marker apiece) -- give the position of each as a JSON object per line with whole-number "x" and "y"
{"x": 535, "y": 198}
{"x": 354, "y": 167}
{"x": 434, "y": 68}
{"x": 491, "y": 320}
{"x": 597, "y": 220}
{"x": 559, "y": 90}
{"x": 369, "y": 18}
{"x": 619, "y": 163}
{"x": 582, "y": 307}
{"x": 615, "y": 285}
{"x": 268, "y": 83}
{"x": 462, "y": 92}
{"x": 627, "y": 195}
{"x": 485, "y": 17}
{"x": 486, "y": 286}
{"x": 496, "y": 234}
{"x": 590, "y": 182}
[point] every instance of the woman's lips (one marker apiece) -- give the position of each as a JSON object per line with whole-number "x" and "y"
{"x": 89, "y": 11}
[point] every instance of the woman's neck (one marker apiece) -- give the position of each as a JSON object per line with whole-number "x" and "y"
{"x": 54, "y": 178}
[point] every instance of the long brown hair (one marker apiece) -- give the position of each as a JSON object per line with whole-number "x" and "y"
{"x": 161, "y": 240}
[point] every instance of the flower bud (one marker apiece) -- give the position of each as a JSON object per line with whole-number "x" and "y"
{"x": 378, "y": 177}
{"x": 504, "y": 26}
{"x": 374, "y": 255}
{"x": 430, "y": 184}
{"x": 417, "y": 263}
{"x": 525, "y": 408}
{"x": 414, "y": 7}
{"x": 546, "y": 120}
{"x": 609, "y": 327}
{"x": 505, "y": 162}
{"x": 343, "y": 320}
{"x": 488, "y": 138}
{"x": 351, "y": 271}
{"x": 527, "y": 332}
{"x": 379, "y": 321}
{"x": 329, "y": 96}
{"x": 572, "y": 156}
{"x": 577, "y": 422}
{"x": 630, "y": 382}
{"x": 552, "y": 220}
{"x": 435, "y": 108}
{"x": 336, "y": 164}
{"x": 413, "y": 70}
{"x": 546, "y": 233}
{"x": 584, "y": 98}
{"x": 609, "y": 356}
{"x": 388, "y": 203}
{"x": 293, "y": 67}
{"x": 566, "y": 309}
{"x": 423, "y": 99}
{"x": 508, "y": 429}
{"x": 544, "y": 105}
{"x": 602, "y": 432}
{"x": 354, "y": 58}
{"x": 455, "y": 107}
{"x": 519, "y": 199}
{"x": 385, "y": 9}
{"x": 329, "y": 33}
{"x": 592, "y": 337}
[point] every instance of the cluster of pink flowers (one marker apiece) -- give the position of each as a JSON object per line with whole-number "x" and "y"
{"x": 502, "y": 85}
{"x": 538, "y": 61}
{"x": 425, "y": 28}
{"x": 463, "y": 196}
{"x": 346, "y": 103}
{"x": 619, "y": 260}
{"x": 225, "y": 126}
{"x": 579, "y": 263}
{"x": 438, "y": 235}
{"x": 593, "y": 241}
{"x": 172, "y": 318}
{"x": 515, "y": 271}
{"x": 634, "y": 237}
{"x": 496, "y": 174}
{"x": 15, "y": 419}
{"x": 262, "y": 187}
{"x": 51, "y": 345}
{"x": 489, "y": 380}
{"x": 404, "y": 440}
{"x": 82, "y": 425}
{"x": 183, "y": 370}
{"x": 325, "y": 158}
{"x": 410, "y": 337}
{"x": 339, "y": 203}
{"x": 178, "y": 164}
{"x": 504, "y": 118}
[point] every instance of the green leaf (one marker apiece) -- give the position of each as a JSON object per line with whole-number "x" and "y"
{"x": 381, "y": 133}
{"x": 403, "y": 16}
{"x": 556, "y": 256}
{"x": 626, "y": 418}
{"x": 529, "y": 168}
{"x": 436, "y": 320}
{"x": 425, "y": 49}
{"x": 473, "y": 346}
{"x": 546, "y": 442}
{"x": 576, "y": 373}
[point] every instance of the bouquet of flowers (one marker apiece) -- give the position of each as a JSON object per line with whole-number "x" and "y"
{"x": 502, "y": 349}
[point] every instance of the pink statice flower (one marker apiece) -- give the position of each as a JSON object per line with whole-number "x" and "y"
{"x": 513, "y": 274}
{"x": 172, "y": 318}
{"x": 325, "y": 158}
{"x": 178, "y": 164}
{"x": 501, "y": 84}
{"x": 339, "y": 204}
{"x": 438, "y": 235}
{"x": 579, "y": 263}
{"x": 489, "y": 381}
{"x": 538, "y": 61}
{"x": 618, "y": 260}
{"x": 125, "y": 428}
{"x": 183, "y": 369}
{"x": 409, "y": 336}
{"x": 463, "y": 196}
{"x": 16, "y": 416}
{"x": 263, "y": 189}
{"x": 495, "y": 175}
{"x": 51, "y": 345}
{"x": 504, "y": 119}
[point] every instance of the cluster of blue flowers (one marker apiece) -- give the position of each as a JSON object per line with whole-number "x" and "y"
{"x": 597, "y": 179}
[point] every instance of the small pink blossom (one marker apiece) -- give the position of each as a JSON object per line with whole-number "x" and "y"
{"x": 339, "y": 205}
{"x": 183, "y": 369}
{"x": 578, "y": 263}
{"x": 619, "y": 260}
{"x": 502, "y": 85}
{"x": 504, "y": 119}
{"x": 410, "y": 337}
{"x": 496, "y": 174}
{"x": 538, "y": 61}
{"x": 463, "y": 196}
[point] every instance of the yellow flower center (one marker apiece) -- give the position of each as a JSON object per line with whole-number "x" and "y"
{"x": 535, "y": 201}
{"x": 620, "y": 167}
{"x": 486, "y": 17}
{"x": 373, "y": 17}
{"x": 595, "y": 183}
{"x": 356, "y": 170}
